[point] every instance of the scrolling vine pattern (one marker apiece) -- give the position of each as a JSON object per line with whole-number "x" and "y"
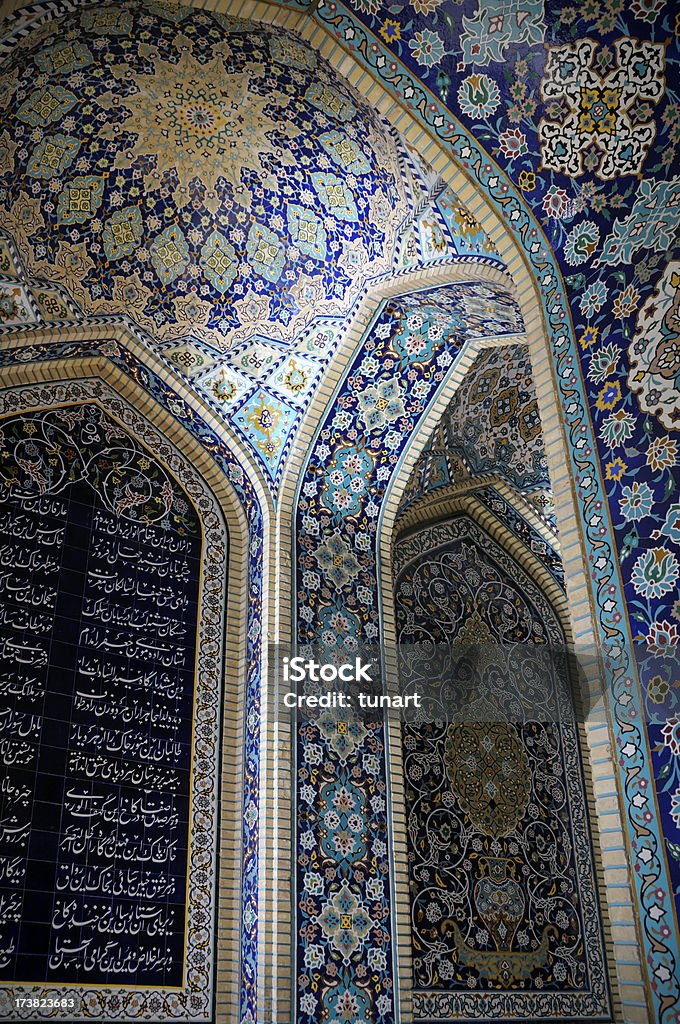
{"x": 505, "y": 919}
{"x": 48, "y": 451}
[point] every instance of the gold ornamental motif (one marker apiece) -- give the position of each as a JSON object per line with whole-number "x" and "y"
{"x": 202, "y": 121}
{"x": 489, "y": 773}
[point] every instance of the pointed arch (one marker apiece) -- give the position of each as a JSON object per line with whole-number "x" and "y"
{"x": 98, "y": 366}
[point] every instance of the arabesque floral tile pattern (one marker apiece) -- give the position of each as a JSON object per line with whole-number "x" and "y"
{"x": 344, "y": 970}
{"x": 212, "y": 180}
{"x": 502, "y": 925}
{"x": 577, "y": 107}
{"x": 595, "y": 170}
{"x": 233, "y": 241}
{"x": 492, "y": 425}
{"x": 163, "y": 167}
{"x": 612, "y": 233}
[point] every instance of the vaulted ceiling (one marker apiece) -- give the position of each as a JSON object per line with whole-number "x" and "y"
{"x": 216, "y": 186}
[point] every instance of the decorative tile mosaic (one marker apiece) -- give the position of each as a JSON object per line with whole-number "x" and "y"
{"x": 543, "y": 503}
{"x": 52, "y": 305}
{"x": 111, "y": 891}
{"x": 493, "y": 420}
{"x": 441, "y": 227}
{"x": 225, "y": 386}
{"x": 653, "y": 353}
{"x": 266, "y": 422}
{"x": 7, "y": 265}
{"x": 257, "y": 359}
{"x": 456, "y": 453}
{"x": 408, "y": 352}
{"x": 181, "y": 166}
{"x": 190, "y": 358}
{"x": 490, "y": 427}
{"x": 504, "y": 909}
{"x": 613, "y": 239}
{"x": 513, "y": 520}
{"x": 15, "y": 308}
{"x": 296, "y": 377}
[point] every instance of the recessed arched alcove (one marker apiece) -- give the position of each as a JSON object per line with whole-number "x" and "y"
{"x": 409, "y": 314}
{"x": 137, "y": 689}
{"x": 467, "y": 476}
{"x": 115, "y": 673}
{"x": 496, "y": 803}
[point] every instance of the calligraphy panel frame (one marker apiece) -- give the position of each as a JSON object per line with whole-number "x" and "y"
{"x": 195, "y": 999}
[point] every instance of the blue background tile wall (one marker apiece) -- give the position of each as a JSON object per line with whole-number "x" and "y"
{"x": 567, "y": 117}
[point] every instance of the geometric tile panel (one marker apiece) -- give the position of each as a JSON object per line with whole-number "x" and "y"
{"x": 153, "y": 169}
{"x": 190, "y": 358}
{"x": 442, "y": 228}
{"x": 224, "y": 386}
{"x": 52, "y": 304}
{"x": 257, "y": 359}
{"x": 7, "y": 265}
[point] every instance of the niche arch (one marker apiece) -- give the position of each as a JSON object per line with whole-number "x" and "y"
{"x": 578, "y": 615}
{"x": 445, "y": 571}
{"x": 30, "y": 386}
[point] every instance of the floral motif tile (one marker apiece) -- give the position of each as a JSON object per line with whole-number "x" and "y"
{"x": 295, "y": 378}
{"x": 225, "y": 386}
{"x": 257, "y": 360}
{"x": 15, "y": 308}
{"x": 482, "y": 927}
{"x": 265, "y": 421}
{"x": 190, "y": 358}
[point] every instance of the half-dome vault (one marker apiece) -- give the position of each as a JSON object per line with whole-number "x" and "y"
{"x": 207, "y": 177}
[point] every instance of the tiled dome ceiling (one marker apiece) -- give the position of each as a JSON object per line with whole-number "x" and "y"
{"x": 491, "y": 427}
{"x": 493, "y": 419}
{"x": 207, "y": 177}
